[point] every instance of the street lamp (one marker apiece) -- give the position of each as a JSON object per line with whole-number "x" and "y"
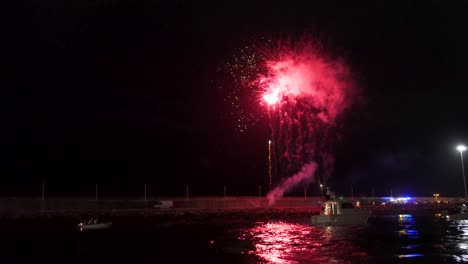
{"x": 462, "y": 148}
{"x": 436, "y": 195}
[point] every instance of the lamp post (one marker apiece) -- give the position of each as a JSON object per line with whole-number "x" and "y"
{"x": 436, "y": 195}
{"x": 462, "y": 148}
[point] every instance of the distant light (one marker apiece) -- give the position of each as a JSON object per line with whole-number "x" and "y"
{"x": 269, "y": 141}
{"x": 321, "y": 185}
{"x": 461, "y": 148}
{"x": 410, "y": 255}
{"x": 403, "y": 198}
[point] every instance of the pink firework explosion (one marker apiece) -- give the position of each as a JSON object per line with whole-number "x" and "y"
{"x": 305, "y": 92}
{"x": 302, "y": 72}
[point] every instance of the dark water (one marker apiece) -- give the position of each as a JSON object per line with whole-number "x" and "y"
{"x": 389, "y": 239}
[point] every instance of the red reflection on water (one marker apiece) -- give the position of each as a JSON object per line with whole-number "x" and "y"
{"x": 275, "y": 240}
{"x": 282, "y": 242}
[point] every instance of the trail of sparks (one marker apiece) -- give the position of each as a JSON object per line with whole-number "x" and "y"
{"x": 269, "y": 165}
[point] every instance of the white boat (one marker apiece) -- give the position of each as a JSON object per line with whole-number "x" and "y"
{"x": 94, "y": 225}
{"x": 340, "y": 213}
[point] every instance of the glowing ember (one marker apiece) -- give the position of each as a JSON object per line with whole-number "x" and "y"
{"x": 271, "y": 98}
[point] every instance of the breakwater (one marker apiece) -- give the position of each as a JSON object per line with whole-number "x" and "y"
{"x": 18, "y": 204}
{"x": 200, "y": 207}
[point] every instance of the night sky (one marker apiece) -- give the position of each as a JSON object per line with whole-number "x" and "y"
{"x": 123, "y": 93}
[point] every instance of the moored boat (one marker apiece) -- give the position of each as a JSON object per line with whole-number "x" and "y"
{"x": 340, "y": 213}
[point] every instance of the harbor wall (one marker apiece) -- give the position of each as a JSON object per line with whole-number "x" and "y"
{"x": 25, "y": 204}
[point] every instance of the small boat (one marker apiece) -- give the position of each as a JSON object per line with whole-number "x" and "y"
{"x": 94, "y": 224}
{"x": 340, "y": 213}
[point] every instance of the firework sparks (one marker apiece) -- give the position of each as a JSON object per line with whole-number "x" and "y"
{"x": 305, "y": 93}
{"x": 239, "y": 90}
{"x": 300, "y": 72}
{"x": 308, "y": 91}
{"x": 272, "y": 97}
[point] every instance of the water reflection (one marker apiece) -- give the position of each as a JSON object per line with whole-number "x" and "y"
{"x": 392, "y": 239}
{"x": 457, "y": 234}
{"x": 410, "y": 255}
{"x": 283, "y": 242}
{"x": 407, "y": 231}
{"x": 406, "y": 227}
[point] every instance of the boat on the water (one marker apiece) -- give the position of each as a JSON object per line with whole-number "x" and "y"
{"x": 340, "y": 213}
{"x": 94, "y": 224}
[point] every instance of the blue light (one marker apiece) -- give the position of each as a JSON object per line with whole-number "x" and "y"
{"x": 405, "y": 216}
{"x": 410, "y": 255}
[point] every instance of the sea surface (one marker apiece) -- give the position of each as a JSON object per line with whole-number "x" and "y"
{"x": 385, "y": 239}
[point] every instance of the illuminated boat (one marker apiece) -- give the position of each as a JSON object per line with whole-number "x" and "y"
{"x": 340, "y": 213}
{"x": 94, "y": 225}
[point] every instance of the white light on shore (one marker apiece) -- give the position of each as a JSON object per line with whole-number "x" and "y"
{"x": 461, "y": 148}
